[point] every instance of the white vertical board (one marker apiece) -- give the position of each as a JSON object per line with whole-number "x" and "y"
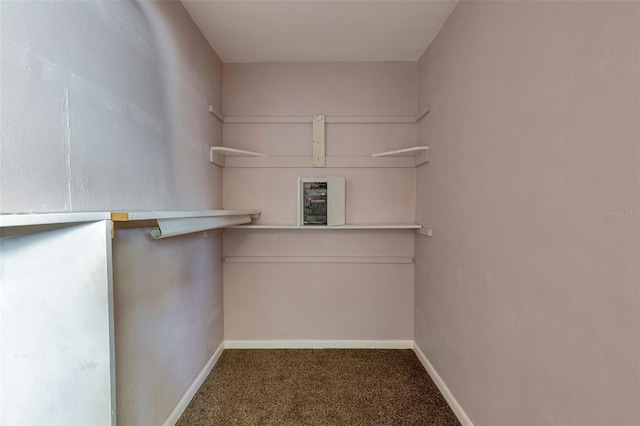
{"x": 335, "y": 201}
{"x": 56, "y": 324}
{"x": 318, "y": 141}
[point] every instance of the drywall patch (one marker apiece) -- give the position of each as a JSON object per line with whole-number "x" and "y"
{"x": 66, "y": 79}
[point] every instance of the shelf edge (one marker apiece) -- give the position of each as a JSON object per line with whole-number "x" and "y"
{"x": 234, "y": 152}
{"x": 33, "y": 219}
{"x": 374, "y": 227}
{"x": 402, "y": 152}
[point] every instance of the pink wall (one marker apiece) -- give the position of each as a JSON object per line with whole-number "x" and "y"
{"x": 318, "y": 301}
{"x": 331, "y": 88}
{"x": 526, "y": 297}
{"x": 105, "y": 107}
{"x": 326, "y": 301}
{"x": 168, "y": 319}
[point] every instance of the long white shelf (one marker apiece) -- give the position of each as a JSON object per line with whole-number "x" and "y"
{"x": 133, "y": 216}
{"x": 330, "y": 162}
{"x": 332, "y": 228}
{"x": 165, "y": 223}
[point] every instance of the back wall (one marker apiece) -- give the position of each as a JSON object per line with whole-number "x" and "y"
{"x": 319, "y": 301}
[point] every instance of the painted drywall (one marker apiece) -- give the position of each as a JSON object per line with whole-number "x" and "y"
{"x": 318, "y": 301}
{"x": 526, "y": 297}
{"x": 105, "y": 107}
{"x": 111, "y": 113}
{"x": 329, "y": 301}
{"x": 168, "y": 319}
{"x": 56, "y": 356}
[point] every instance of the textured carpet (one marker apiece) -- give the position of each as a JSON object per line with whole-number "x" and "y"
{"x": 318, "y": 387}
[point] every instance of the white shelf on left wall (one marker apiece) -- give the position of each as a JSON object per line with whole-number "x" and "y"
{"x": 164, "y": 223}
{"x": 218, "y": 153}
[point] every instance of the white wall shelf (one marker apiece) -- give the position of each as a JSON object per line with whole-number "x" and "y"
{"x": 397, "y": 226}
{"x": 27, "y": 219}
{"x": 420, "y": 154}
{"x": 134, "y": 216}
{"x": 405, "y": 152}
{"x": 218, "y": 154}
{"x": 232, "y": 152}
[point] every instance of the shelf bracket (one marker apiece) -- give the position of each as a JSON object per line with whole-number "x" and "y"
{"x": 216, "y": 113}
{"x": 424, "y": 111}
{"x": 318, "y": 141}
{"x": 216, "y": 158}
{"x": 422, "y": 157}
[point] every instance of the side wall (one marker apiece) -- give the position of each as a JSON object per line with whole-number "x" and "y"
{"x": 526, "y": 297}
{"x": 320, "y": 301}
{"x": 105, "y": 107}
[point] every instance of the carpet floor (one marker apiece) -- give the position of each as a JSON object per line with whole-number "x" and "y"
{"x": 318, "y": 387}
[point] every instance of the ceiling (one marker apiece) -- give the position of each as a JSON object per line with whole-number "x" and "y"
{"x": 319, "y": 30}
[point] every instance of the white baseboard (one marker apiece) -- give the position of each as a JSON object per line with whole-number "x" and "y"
{"x": 189, "y": 394}
{"x": 444, "y": 390}
{"x": 318, "y": 344}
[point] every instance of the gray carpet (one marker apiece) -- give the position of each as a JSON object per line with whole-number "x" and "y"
{"x": 318, "y": 387}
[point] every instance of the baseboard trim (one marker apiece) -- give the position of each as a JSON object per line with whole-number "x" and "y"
{"x": 318, "y": 344}
{"x": 444, "y": 390}
{"x": 189, "y": 394}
